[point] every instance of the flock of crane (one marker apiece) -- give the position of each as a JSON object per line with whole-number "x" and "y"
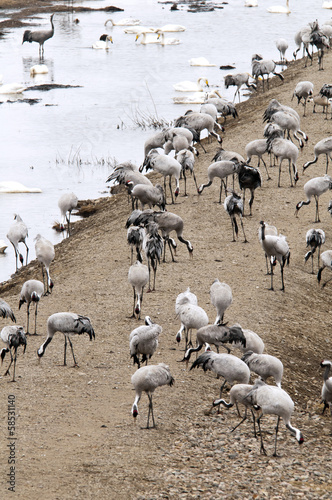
{"x": 149, "y": 234}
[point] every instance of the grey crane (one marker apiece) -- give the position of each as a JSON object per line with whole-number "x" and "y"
{"x": 238, "y": 80}
{"x": 320, "y": 100}
{"x": 199, "y": 122}
{"x": 138, "y": 277}
{"x": 135, "y": 238}
{"x": 231, "y": 368}
{"x": 272, "y": 400}
{"x": 233, "y": 205}
{"x": 315, "y": 188}
{"x": 153, "y": 246}
{"x": 179, "y": 138}
{"x": 167, "y": 222}
{"x": 45, "y": 253}
{"x": 268, "y": 229}
{"x": 186, "y": 158}
{"x": 224, "y": 154}
{"x": 282, "y": 46}
{"x": 192, "y": 317}
{"x": 276, "y": 249}
{"x": 223, "y": 106}
{"x": 327, "y": 385}
{"x": 155, "y": 141}
{"x": 274, "y": 106}
{"x": 239, "y": 394}
{"x": 6, "y": 311}
{"x": 217, "y": 335}
{"x": 128, "y": 171}
{"x": 258, "y": 148}
{"x": 13, "y": 337}
{"x": 166, "y": 166}
{"x": 261, "y": 67}
{"x": 323, "y": 147}
{"x": 148, "y": 195}
{"x": 321, "y": 42}
{"x": 249, "y": 178}
{"x": 17, "y": 233}
{"x": 221, "y": 298}
{"x": 284, "y": 149}
{"x": 219, "y": 169}
{"x": 326, "y": 258}
{"x": 67, "y": 203}
{"x": 288, "y": 121}
{"x": 303, "y": 90}
{"x": 186, "y": 297}
{"x": 144, "y": 341}
{"x": 39, "y": 36}
{"x": 147, "y": 379}
{"x": 315, "y": 238}
{"x": 32, "y": 291}
{"x": 69, "y": 324}
{"x": 264, "y": 365}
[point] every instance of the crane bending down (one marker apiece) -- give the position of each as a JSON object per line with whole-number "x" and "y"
{"x": 144, "y": 340}
{"x": 39, "y": 36}
{"x": 233, "y": 205}
{"x": 239, "y": 394}
{"x": 314, "y": 188}
{"x": 13, "y": 337}
{"x": 67, "y": 323}
{"x": 326, "y": 259}
{"x": 138, "y": 277}
{"x": 221, "y": 298}
{"x": 147, "y": 379}
{"x": 276, "y": 248}
{"x": 315, "y": 238}
{"x": 67, "y": 202}
{"x": 272, "y": 400}
{"x": 45, "y": 253}
{"x": 32, "y": 291}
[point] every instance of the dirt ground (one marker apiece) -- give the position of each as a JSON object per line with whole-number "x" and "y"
{"x": 76, "y": 437}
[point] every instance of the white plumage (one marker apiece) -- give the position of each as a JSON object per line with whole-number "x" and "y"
{"x": 138, "y": 277}
{"x": 103, "y": 42}
{"x": 32, "y": 291}
{"x": 221, "y": 298}
{"x": 67, "y": 323}
{"x": 188, "y": 86}
{"x": 144, "y": 341}
{"x": 147, "y": 379}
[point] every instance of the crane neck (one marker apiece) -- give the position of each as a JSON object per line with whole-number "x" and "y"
{"x": 327, "y": 372}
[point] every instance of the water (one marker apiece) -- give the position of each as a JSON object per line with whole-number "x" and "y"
{"x": 68, "y": 141}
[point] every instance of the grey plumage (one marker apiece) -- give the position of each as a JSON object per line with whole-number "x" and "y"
{"x": 13, "y": 337}
{"x": 233, "y": 205}
{"x": 238, "y": 80}
{"x": 147, "y": 379}
{"x": 198, "y": 122}
{"x": 166, "y": 166}
{"x": 135, "y": 238}
{"x": 284, "y": 149}
{"x": 67, "y": 203}
{"x": 249, "y": 178}
{"x": 261, "y": 67}
{"x": 265, "y": 366}
{"x": 45, "y": 253}
{"x": 257, "y": 148}
{"x": 32, "y": 291}
{"x": 276, "y": 249}
{"x": 39, "y": 36}
{"x": 322, "y": 147}
{"x": 315, "y": 188}
{"x": 69, "y": 324}
{"x": 220, "y": 169}
{"x": 144, "y": 341}
{"x": 148, "y": 195}
{"x": 138, "y": 277}
{"x": 221, "y": 298}
{"x": 239, "y": 394}
{"x": 303, "y": 90}
{"x": 186, "y": 158}
{"x": 153, "y": 248}
{"x": 315, "y": 238}
{"x": 6, "y": 311}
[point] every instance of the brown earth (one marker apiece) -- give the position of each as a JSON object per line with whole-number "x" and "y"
{"x": 76, "y": 437}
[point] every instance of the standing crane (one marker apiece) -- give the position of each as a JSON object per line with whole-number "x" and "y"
{"x": 314, "y": 188}
{"x": 45, "y": 254}
{"x": 17, "y": 233}
{"x": 13, "y": 337}
{"x": 315, "y": 238}
{"x": 32, "y": 291}
{"x": 276, "y": 248}
{"x": 39, "y": 36}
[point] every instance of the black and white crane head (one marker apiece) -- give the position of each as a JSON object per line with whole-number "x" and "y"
{"x": 315, "y": 238}
{"x": 147, "y": 379}
{"x": 233, "y": 205}
{"x": 13, "y": 337}
{"x": 327, "y": 385}
{"x": 69, "y": 324}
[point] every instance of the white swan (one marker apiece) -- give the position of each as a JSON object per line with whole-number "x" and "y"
{"x": 129, "y": 21}
{"x": 12, "y": 88}
{"x": 327, "y": 5}
{"x": 145, "y": 40}
{"x": 38, "y": 69}
{"x": 187, "y": 86}
{"x": 198, "y": 98}
{"x": 200, "y": 61}
{"x": 280, "y": 9}
{"x": 134, "y": 30}
{"x": 16, "y": 187}
{"x": 172, "y": 27}
{"x": 166, "y": 41}
{"x": 251, "y": 3}
{"x": 102, "y": 43}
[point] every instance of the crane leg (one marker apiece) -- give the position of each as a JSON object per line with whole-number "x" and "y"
{"x": 275, "y": 443}
{"x": 271, "y": 276}
{"x": 170, "y": 188}
{"x": 28, "y": 316}
{"x": 36, "y": 312}
{"x": 27, "y": 248}
{"x": 241, "y": 422}
{"x": 317, "y": 210}
{"x": 150, "y": 411}
{"x": 10, "y": 364}
{"x": 244, "y": 234}
{"x": 260, "y": 432}
{"x": 282, "y": 278}
{"x": 72, "y": 351}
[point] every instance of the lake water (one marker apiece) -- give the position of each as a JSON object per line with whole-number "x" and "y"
{"x": 69, "y": 140}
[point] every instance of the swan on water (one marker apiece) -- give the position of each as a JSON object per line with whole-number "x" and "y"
{"x": 134, "y": 30}
{"x": 147, "y": 39}
{"x": 327, "y": 5}
{"x": 102, "y": 43}
{"x": 280, "y": 9}
{"x": 38, "y": 69}
{"x": 129, "y": 21}
{"x": 200, "y": 61}
{"x": 12, "y": 88}
{"x": 172, "y": 27}
{"x": 187, "y": 86}
{"x": 166, "y": 41}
